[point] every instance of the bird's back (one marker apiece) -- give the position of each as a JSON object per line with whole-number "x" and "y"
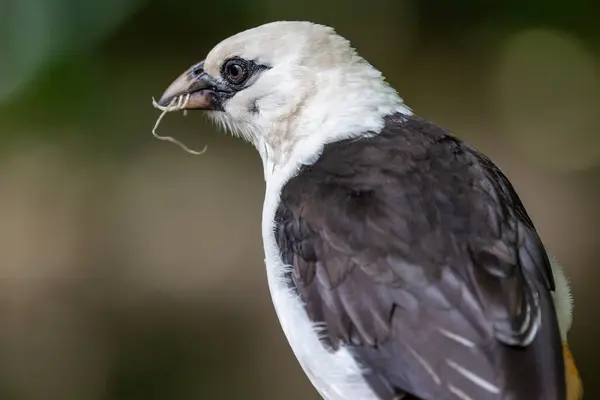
{"x": 414, "y": 252}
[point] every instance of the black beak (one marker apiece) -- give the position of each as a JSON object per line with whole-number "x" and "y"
{"x": 193, "y": 90}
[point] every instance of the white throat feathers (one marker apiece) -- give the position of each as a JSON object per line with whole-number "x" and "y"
{"x": 315, "y": 90}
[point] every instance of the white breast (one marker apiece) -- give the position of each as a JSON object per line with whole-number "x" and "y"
{"x": 336, "y": 376}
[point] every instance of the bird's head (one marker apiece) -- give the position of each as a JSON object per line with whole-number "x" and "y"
{"x": 288, "y": 88}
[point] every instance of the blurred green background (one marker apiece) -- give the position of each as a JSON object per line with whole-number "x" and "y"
{"x": 132, "y": 270}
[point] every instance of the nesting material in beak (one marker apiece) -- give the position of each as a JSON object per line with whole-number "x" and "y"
{"x": 176, "y": 104}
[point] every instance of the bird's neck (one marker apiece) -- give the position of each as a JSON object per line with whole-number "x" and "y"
{"x": 346, "y": 105}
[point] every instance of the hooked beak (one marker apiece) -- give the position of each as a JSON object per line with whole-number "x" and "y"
{"x": 193, "y": 90}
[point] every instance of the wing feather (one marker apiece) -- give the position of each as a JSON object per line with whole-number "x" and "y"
{"x": 414, "y": 251}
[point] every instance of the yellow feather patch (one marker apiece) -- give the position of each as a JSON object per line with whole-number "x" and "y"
{"x": 574, "y": 385}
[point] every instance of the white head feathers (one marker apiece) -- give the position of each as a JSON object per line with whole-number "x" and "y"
{"x": 288, "y": 88}
{"x": 316, "y": 90}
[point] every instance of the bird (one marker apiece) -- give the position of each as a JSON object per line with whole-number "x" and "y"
{"x": 400, "y": 260}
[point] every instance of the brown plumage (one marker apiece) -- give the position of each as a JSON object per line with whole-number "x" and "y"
{"x": 413, "y": 249}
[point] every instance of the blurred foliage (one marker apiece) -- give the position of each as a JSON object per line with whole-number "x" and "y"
{"x": 37, "y": 33}
{"x": 129, "y": 269}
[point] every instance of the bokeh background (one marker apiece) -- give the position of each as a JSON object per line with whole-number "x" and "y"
{"x": 132, "y": 270}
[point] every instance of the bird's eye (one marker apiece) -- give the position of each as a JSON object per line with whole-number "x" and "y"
{"x": 235, "y": 71}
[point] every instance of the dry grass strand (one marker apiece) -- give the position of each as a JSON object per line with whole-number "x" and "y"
{"x": 178, "y": 103}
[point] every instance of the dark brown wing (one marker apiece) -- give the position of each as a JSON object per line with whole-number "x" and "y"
{"x": 414, "y": 251}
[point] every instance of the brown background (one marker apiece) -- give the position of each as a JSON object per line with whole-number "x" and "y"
{"x": 132, "y": 270}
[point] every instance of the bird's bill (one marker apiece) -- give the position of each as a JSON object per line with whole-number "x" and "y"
{"x": 193, "y": 90}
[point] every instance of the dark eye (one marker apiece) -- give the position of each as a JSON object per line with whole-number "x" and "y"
{"x": 235, "y": 71}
